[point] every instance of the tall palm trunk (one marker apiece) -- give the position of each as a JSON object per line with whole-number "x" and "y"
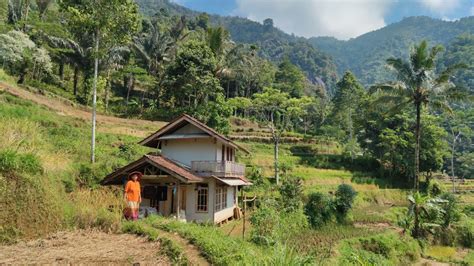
{"x": 417, "y": 145}
{"x": 75, "y": 79}
{"x": 94, "y": 95}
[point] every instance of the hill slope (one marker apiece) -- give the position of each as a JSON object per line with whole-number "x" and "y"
{"x": 273, "y": 43}
{"x": 366, "y": 54}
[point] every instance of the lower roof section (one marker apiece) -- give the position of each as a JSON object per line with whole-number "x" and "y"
{"x": 234, "y": 181}
{"x": 157, "y": 162}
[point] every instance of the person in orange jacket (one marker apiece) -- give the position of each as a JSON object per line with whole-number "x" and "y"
{"x": 132, "y": 193}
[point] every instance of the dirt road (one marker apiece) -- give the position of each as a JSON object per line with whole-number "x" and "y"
{"x": 105, "y": 123}
{"x": 84, "y": 248}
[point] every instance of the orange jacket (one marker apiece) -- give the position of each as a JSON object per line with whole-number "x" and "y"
{"x": 132, "y": 190}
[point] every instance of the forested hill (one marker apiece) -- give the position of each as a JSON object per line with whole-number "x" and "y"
{"x": 272, "y": 43}
{"x": 365, "y": 55}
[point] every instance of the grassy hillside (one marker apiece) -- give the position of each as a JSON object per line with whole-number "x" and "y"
{"x": 44, "y": 171}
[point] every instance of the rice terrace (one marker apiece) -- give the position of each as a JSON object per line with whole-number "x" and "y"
{"x": 160, "y": 132}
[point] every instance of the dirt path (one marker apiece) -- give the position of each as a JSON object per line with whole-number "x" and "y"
{"x": 84, "y": 247}
{"x": 105, "y": 123}
{"x": 191, "y": 252}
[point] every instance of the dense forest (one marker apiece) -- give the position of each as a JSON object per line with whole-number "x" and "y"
{"x": 361, "y": 151}
{"x": 365, "y": 55}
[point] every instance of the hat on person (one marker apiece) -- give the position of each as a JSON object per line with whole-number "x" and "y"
{"x": 139, "y": 174}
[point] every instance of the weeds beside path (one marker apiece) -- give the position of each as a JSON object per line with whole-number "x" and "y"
{"x": 106, "y": 123}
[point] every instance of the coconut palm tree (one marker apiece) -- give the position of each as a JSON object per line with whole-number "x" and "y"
{"x": 419, "y": 85}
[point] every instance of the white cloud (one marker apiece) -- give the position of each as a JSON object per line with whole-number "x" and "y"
{"x": 440, "y": 6}
{"x": 472, "y": 11}
{"x": 342, "y": 19}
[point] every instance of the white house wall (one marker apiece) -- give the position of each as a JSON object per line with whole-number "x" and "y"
{"x": 191, "y": 201}
{"x": 185, "y": 151}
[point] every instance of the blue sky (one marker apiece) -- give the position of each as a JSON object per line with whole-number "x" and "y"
{"x": 342, "y": 19}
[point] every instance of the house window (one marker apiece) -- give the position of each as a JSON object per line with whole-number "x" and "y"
{"x": 221, "y": 198}
{"x": 202, "y": 198}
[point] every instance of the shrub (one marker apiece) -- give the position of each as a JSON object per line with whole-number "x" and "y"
{"x": 382, "y": 249}
{"x": 343, "y": 201}
{"x": 319, "y": 209}
{"x": 451, "y": 212}
{"x": 256, "y": 175}
{"x": 271, "y": 226}
{"x": 465, "y": 234}
{"x": 264, "y": 224}
{"x": 291, "y": 192}
{"x": 434, "y": 188}
{"x": 13, "y": 162}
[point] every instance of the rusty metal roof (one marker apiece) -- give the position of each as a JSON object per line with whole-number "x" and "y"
{"x": 160, "y": 162}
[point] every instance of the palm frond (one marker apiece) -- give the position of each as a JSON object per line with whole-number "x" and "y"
{"x": 404, "y": 70}
{"x": 446, "y": 74}
{"x": 441, "y": 106}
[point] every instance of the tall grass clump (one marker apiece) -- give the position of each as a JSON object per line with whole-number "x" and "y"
{"x": 381, "y": 249}
{"x": 95, "y": 208}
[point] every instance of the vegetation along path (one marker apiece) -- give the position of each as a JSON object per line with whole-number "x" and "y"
{"x": 107, "y": 124}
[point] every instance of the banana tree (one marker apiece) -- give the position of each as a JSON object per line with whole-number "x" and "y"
{"x": 424, "y": 213}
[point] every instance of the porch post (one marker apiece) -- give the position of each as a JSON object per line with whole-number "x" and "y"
{"x": 177, "y": 200}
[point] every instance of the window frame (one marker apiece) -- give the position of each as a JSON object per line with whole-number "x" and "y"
{"x": 221, "y": 198}
{"x": 199, "y": 207}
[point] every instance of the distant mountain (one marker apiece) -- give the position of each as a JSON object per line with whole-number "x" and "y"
{"x": 273, "y": 43}
{"x": 365, "y": 55}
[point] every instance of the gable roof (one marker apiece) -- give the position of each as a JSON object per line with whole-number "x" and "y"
{"x": 160, "y": 162}
{"x": 180, "y": 121}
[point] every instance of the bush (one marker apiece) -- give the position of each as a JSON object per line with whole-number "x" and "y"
{"x": 319, "y": 209}
{"x": 451, "y": 212}
{"x": 291, "y": 192}
{"x": 465, "y": 234}
{"x": 264, "y": 224}
{"x": 271, "y": 226}
{"x": 12, "y": 162}
{"x": 382, "y": 249}
{"x": 343, "y": 201}
{"x": 256, "y": 176}
{"x": 434, "y": 188}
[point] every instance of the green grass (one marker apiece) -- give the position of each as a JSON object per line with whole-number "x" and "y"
{"x": 60, "y": 145}
{"x": 220, "y": 249}
{"x": 380, "y": 249}
{"x": 440, "y": 253}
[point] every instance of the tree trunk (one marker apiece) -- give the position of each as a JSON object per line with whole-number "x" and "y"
{"x": 416, "y": 229}
{"x": 453, "y": 150}
{"x": 94, "y": 95}
{"x": 107, "y": 89}
{"x": 130, "y": 86}
{"x": 277, "y": 176}
{"x": 25, "y": 15}
{"x": 61, "y": 71}
{"x": 351, "y": 135}
{"x": 417, "y": 146}
{"x": 76, "y": 79}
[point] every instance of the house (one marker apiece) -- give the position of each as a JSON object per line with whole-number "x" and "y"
{"x": 194, "y": 174}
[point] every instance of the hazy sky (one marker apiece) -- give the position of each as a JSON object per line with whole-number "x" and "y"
{"x": 342, "y": 19}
